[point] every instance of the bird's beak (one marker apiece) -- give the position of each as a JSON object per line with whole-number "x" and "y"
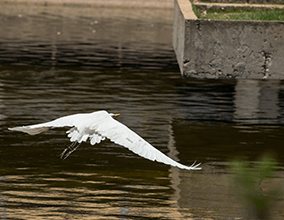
{"x": 115, "y": 115}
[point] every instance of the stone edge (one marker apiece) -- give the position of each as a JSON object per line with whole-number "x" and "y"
{"x": 186, "y": 9}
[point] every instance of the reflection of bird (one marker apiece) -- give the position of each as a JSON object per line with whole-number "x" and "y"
{"x": 96, "y": 127}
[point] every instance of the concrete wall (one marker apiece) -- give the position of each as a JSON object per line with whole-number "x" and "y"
{"x": 227, "y": 49}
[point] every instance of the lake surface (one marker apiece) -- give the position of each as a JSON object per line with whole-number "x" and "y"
{"x": 127, "y": 66}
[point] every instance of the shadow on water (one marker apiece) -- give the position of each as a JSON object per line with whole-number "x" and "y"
{"x": 134, "y": 74}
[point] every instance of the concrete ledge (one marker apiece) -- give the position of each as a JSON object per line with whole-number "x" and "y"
{"x": 227, "y": 49}
{"x": 182, "y": 12}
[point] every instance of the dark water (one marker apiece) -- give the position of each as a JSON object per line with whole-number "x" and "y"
{"x": 211, "y": 121}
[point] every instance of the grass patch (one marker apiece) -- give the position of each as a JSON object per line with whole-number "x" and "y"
{"x": 259, "y": 14}
{"x": 248, "y": 182}
{"x": 266, "y": 3}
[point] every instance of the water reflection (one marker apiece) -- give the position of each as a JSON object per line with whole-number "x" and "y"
{"x": 109, "y": 181}
{"x": 257, "y": 102}
{"x": 94, "y": 37}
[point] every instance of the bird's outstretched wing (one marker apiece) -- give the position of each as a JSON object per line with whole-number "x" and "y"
{"x": 99, "y": 125}
{"x": 122, "y": 135}
{"x": 66, "y": 121}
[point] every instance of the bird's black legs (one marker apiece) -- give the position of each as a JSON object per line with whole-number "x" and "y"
{"x": 69, "y": 150}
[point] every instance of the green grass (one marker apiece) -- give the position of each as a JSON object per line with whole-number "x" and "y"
{"x": 267, "y": 3}
{"x": 240, "y": 14}
{"x": 247, "y": 184}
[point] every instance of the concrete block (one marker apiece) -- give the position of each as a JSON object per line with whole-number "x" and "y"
{"x": 227, "y": 49}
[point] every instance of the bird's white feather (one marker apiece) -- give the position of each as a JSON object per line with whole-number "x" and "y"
{"x": 99, "y": 125}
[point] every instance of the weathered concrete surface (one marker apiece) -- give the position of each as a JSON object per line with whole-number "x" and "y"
{"x": 179, "y": 29}
{"x": 227, "y": 49}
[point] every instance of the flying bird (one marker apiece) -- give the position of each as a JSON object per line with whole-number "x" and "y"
{"x": 98, "y": 126}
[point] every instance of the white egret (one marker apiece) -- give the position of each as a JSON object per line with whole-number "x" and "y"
{"x": 96, "y": 127}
